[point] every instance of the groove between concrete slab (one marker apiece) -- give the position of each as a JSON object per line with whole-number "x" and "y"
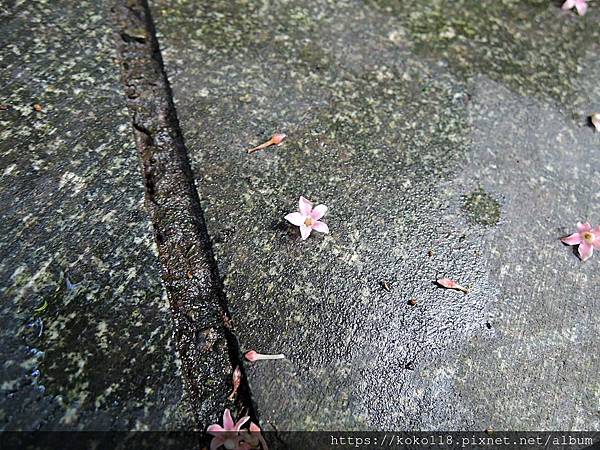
{"x": 207, "y": 345}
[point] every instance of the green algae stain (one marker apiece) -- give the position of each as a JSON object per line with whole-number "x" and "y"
{"x": 482, "y": 208}
{"x": 314, "y": 56}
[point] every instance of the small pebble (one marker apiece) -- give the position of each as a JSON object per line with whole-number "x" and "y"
{"x": 70, "y": 284}
{"x": 37, "y": 107}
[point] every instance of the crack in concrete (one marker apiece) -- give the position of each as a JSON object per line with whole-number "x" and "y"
{"x": 205, "y": 339}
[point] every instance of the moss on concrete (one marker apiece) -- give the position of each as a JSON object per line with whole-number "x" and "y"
{"x": 482, "y": 208}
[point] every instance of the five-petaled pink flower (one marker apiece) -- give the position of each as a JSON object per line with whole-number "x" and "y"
{"x": 308, "y": 218}
{"x": 587, "y": 238}
{"x": 228, "y": 434}
{"x": 580, "y": 5}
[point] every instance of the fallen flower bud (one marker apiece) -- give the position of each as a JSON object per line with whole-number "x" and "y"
{"x": 237, "y": 379}
{"x": 275, "y": 140}
{"x": 252, "y": 356}
{"x": 451, "y": 284}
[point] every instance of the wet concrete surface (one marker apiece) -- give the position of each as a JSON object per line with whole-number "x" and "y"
{"x": 448, "y": 139}
{"x": 85, "y": 327}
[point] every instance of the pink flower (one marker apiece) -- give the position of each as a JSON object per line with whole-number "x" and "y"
{"x": 308, "y": 218}
{"x": 580, "y": 5}
{"x": 228, "y": 434}
{"x": 253, "y": 356}
{"x": 587, "y": 239}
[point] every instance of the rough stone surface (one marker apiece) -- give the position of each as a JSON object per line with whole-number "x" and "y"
{"x": 448, "y": 138}
{"x": 86, "y": 336}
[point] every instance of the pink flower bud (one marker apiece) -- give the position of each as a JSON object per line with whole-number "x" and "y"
{"x": 278, "y": 138}
{"x": 236, "y": 381}
{"x": 252, "y": 356}
{"x": 451, "y": 284}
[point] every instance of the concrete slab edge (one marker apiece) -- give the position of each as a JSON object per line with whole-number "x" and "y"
{"x": 205, "y": 337}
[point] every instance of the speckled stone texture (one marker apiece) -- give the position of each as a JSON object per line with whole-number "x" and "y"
{"x": 448, "y": 138}
{"x": 85, "y": 326}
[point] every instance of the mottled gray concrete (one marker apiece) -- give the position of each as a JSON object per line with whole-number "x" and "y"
{"x": 85, "y": 331}
{"x": 448, "y": 138}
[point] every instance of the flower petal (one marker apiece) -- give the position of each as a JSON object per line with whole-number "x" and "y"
{"x": 585, "y": 251}
{"x": 321, "y": 227}
{"x": 318, "y": 212}
{"x": 305, "y": 231}
{"x": 255, "y": 429}
{"x": 295, "y": 218}
{"x": 596, "y": 233}
{"x": 227, "y": 420}
{"x": 581, "y": 227}
{"x": 573, "y": 239}
{"x": 596, "y": 121}
{"x": 241, "y": 422}
{"x": 305, "y": 206}
{"x": 581, "y": 7}
{"x": 216, "y": 442}
{"x": 568, "y": 4}
{"x": 215, "y": 429}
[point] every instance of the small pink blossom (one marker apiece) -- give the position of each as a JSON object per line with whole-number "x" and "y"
{"x": 587, "y": 238}
{"x": 580, "y": 5}
{"x": 451, "y": 284}
{"x": 308, "y": 218}
{"x": 595, "y": 118}
{"x": 253, "y": 356}
{"x": 228, "y": 434}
